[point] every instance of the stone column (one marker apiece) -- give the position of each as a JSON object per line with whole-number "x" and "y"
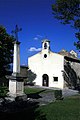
{"x": 16, "y": 84}
{"x": 16, "y": 58}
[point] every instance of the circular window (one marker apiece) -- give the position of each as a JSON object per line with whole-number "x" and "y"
{"x": 45, "y": 56}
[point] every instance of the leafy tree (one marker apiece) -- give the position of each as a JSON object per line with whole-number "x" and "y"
{"x": 6, "y": 51}
{"x": 68, "y": 12}
{"x": 31, "y": 77}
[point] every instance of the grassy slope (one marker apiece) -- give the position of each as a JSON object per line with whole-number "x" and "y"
{"x": 68, "y": 109}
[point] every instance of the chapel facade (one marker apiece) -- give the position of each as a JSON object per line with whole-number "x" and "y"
{"x": 58, "y": 70}
{"x": 47, "y": 66}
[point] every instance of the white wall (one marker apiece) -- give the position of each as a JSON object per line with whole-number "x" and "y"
{"x": 53, "y": 66}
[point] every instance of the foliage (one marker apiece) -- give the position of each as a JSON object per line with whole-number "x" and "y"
{"x": 3, "y": 91}
{"x": 6, "y": 51}
{"x": 31, "y": 77}
{"x": 68, "y": 11}
{"x": 58, "y": 94}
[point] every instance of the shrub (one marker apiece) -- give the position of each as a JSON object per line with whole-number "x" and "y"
{"x": 78, "y": 88}
{"x": 3, "y": 91}
{"x": 58, "y": 94}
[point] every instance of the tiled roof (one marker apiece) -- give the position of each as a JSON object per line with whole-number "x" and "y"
{"x": 67, "y": 54}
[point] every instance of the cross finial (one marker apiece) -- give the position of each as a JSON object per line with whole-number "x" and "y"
{"x": 16, "y": 31}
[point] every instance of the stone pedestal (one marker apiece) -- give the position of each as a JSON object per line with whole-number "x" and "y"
{"x": 16, "y": 86}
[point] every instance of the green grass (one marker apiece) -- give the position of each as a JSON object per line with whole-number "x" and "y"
{"x": 32, "y": 90}
{"x": 29, "y": 90}
{"x": 67, "y": 109}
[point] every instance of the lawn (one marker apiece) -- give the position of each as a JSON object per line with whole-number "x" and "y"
{"x": 67, "y": 109}
{"x": 31, "y": 90}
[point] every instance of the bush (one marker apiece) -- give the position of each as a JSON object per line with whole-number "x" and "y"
{"x": 3, "y": 91}
{"x": 58, "y": 94}
{"x": 78, "y": 88}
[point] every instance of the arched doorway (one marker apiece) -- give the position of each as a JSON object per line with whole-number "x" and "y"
{"x": 45, "y": 80}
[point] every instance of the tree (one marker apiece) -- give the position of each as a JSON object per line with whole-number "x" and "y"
{"x": 6, "y": 51}
{"x": 31, "y": 77}
{"x": 68, "y": 12}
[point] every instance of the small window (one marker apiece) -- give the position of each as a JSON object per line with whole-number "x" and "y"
{"x": 45, "y": 45}
{"x": 45, "y": 56}
{"x": 55, "y": 79}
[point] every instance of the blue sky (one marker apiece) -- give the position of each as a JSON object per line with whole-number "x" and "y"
{"x": 37, "y": 22}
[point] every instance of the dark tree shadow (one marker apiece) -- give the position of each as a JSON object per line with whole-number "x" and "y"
{"x": 21, "y": 110}
{"x": 35, "y": 95}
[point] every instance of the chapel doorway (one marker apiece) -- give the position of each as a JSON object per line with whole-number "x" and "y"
{"x": 45, "y": 80}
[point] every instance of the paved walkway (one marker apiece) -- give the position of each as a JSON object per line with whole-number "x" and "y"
{"x": 48, "y": 97}
{"x": 69, "y": 92}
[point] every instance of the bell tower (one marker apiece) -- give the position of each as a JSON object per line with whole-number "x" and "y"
{"x": 46, "y": 45}
{"x": 45, "y": 48}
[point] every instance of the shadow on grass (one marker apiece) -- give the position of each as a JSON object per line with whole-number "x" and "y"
{"x": 35, "y": 95}
{"x": 21, "y": 110}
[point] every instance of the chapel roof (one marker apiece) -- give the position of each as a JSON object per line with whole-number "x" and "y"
{"x": 65, "y": 53}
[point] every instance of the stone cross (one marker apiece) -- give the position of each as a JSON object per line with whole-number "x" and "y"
{"x": 16, "y": 32}
{"x": 16, "y": 81}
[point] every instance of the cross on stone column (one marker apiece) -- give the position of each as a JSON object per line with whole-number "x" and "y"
{"x": 16, "y": 32}
{"x": 16, "y": 58}
{"x": 16, "y": 80}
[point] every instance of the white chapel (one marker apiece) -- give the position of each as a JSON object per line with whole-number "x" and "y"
{"x": 58, "y": 70}
{"x": 48, "y": 67}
